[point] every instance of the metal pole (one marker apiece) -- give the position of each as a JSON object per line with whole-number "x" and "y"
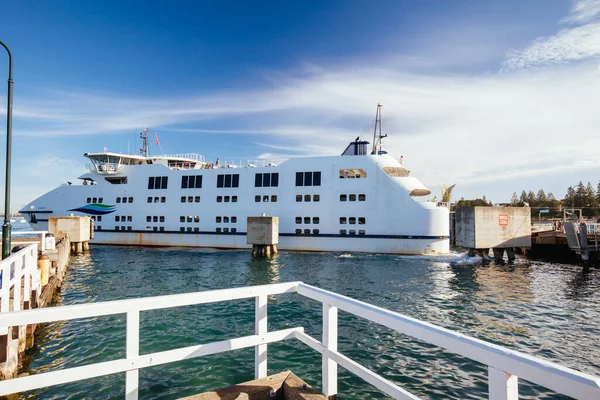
{"x": 6, "y": 228}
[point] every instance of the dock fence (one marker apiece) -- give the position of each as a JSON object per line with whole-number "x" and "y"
{"x": 505, "y": 366}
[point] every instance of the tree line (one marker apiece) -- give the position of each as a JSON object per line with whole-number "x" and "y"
{"x": 581, "y": 196}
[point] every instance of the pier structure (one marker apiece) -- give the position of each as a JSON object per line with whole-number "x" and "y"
{"x": 263, "y": 235}
{"x": 30, "y": 277}
{"x": 79, "y": 229}
{"x": 501, "y": 229}
{"x": 505, "y": 366}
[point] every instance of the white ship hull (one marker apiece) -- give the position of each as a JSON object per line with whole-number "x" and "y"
{"x": 381, "y": 210}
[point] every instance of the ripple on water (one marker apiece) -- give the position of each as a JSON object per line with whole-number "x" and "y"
{"x": 547, "y": 310}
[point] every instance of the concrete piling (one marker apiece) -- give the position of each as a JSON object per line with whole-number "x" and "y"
{"x": 263, "y": 235}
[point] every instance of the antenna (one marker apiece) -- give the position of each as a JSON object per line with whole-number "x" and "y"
{"x": 144, "y": 137}
{"x": 377, "y": 136}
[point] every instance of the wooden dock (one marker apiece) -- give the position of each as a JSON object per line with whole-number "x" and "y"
{"x": 31, "y": 276}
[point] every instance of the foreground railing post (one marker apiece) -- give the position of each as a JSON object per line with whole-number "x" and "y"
{"x": 330, "y": 340}
{"x": 502, "y": 386}
{"x": 260, "y": 328}
{"x": 132, "y": 378}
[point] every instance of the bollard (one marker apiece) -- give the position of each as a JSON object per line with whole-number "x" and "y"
{"x": 44, "y": 267}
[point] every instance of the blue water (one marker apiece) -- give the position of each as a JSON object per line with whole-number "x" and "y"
{"x": 547, "y": 310}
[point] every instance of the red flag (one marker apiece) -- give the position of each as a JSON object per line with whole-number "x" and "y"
{"x": 156, "y": 136}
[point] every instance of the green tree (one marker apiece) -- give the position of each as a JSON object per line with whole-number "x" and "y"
{"x": 541, "y": 199}
{"x": 514, "y": 201}
{"x": 531, "y": 199}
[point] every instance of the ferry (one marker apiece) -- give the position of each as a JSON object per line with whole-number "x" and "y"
{"x": 359, "y": 201}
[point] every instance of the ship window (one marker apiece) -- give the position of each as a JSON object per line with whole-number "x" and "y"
{"x": 94, "y": 200}
{"x": 116, "y": 228}
{"x": 266, "y": 199}
{"x": 182, "y": 229}
{"x": 266, "y": 180}
{"x": 182, "y": 218}
{"x": 162, "y": 218}
{"x": 131, "y": 199}
{"x": 299, "y": 178}
{"x": 98, "y": 228}
{"x": 218, "y": 230}
{"x": 228, "y": 180}
{"x": 129, "y": 228}
{"x": 316, "y": 197}
{"x": 352, "y": 197}
{"x": 89, "y": 200}
{"x": 233, "y": 230}
{"x": 298, "y": 220}
{"x": 233, "y": 220}
{"x": 183, "y": 199}
{"x": 257, "y": 199}
{"x": 148, "y": 218}
{"x": 352, "y": 232}
{"x": 190, "y": 199}
{"x": 362, "y": 197}
{"x": 352, "y": 220}
{"x": 227, "y": 199}
{"x": 191, "y": 182}
{"x": 307, "y": 220}
{"x": 308, "y": 176}
{"x": 343, "y": 197}
{"x": 342, "y": 231}
{"x": 162, "y": 228}
{"x": 275, "y": 179}
{"x": 163, "y": 199}
{"x": 218, "y": 219}
{"x": 362, "y": 220}
{"x": 298, "y": 231}
{"x": 155, "y": 218}
{"x": 219, "y": 199}
{"x": 396, "y": 172}
{"x": 196, "y": 229}
{"x": 149, "y": 199}
{"x": 298, "y": 198}
{"x": 361, "y": 232}
{"x": 189, "y": 229}
{"x": 236, "y": 180}
{"x": 129, "y": 218}
{"x": 197, "y": 199}
{"x": 99, "y": 218}
{"x": 258, "y": 180}
{"x": 226, "y": 230}
{"x": 156, "y": 199}
{"x": 307, "y": 231}
{"x": 234, "y": 199}
{"x": 343, "y": 220}
{"x": 225, "y": 220}
{"x": 100, "y": 199}
{"x": 352, "y": 173}
{"x": 123, "y": 218}
{"x": 189, "y": 218}
{"x": 118, "y": 199}
{"x": 315, "y": 231}
{"x": 116, "y": 180}
{"x": 317, "y": 178}
{"x": 196, "y": 218}
{"x": 307, "y": 197}
{"x": 220, "y": 180}
{"x": 151, "y": 182}
{"x": 273, "y": 198}
{"x": 315, "y": 220}
{"x": 165, "y": 180}
{"x": 116, "y": 218}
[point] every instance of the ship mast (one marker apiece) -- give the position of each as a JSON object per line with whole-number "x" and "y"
{"x": 377, "y": 136}
{"x": 144, "y": 137}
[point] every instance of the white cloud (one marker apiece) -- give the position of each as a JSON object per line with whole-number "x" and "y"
{"x": 583, "y": 11}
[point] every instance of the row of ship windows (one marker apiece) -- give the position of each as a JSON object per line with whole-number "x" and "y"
{"x": 352, "y": 220}
{"x": 234, "y": 230}
{"x": 155, "y": 218}
{"x": 157, "y": 199}
{"x": 123, "y": 218}
{"x": 190, "y": 199}
{"x": 352, "y": 232}
{"x": 307, "y": 232}
{"x": 265, "y": 198}
{"x": 96, "y": 217}
{"x": 307, "y": 197}
{"x": 94, "y": 200}
{"x": 353, "y": 197}
{"x": 124, "y": 200}
{"x": 189, "y": 218}
{"x": 342, "y": 232}
{"x": 312, "y": 178}
{"x": 315, "y": 220}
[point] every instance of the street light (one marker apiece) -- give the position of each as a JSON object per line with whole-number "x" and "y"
{"x": 6, "y": 226}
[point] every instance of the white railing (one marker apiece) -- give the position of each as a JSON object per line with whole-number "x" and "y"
{"x": 504, "y": 365}
{"x": 21, "y": 265}
{"x": 41, "y": 234}
{"x": 593, "y": 228}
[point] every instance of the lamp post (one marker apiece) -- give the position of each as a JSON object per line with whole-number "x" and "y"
{"x": 6, "y": 228}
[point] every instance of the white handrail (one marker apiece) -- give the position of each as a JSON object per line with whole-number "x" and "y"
{"x": 505, "y": 365}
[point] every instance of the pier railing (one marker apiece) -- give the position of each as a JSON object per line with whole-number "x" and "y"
{"x": 505, "y": 366}
{"x": 20, "y": 266}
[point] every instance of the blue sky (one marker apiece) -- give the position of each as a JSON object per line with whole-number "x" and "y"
{"x": 493, "y": 96}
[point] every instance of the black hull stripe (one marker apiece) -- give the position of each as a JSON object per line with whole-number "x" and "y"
{"x": 328, "y": 235}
